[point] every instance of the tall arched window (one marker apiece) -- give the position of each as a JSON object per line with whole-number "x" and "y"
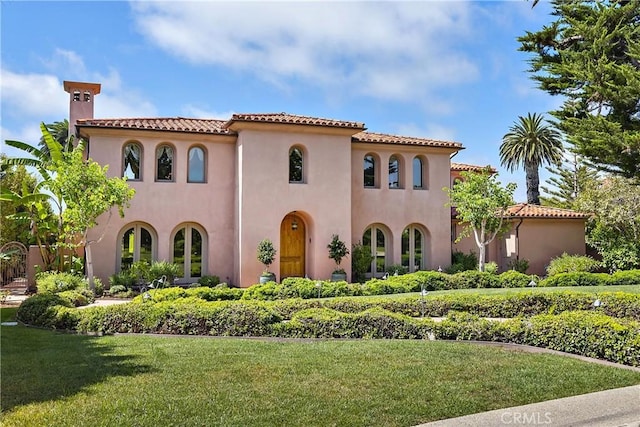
{"x": 375, "y": 239}
{"x": 164, "y": 163}
{"x": 369, "y": 171}
{"x": 418, "y": 171}
{"x": 296, "y": 165}
{"x": 131, "y": 161}
{"x": 413, "y": 248}
{"x": 189, "y": 250}
{"x": 394, "y": 172}
{"x": 137, "y": 243}
{"x": 196, "y": 165}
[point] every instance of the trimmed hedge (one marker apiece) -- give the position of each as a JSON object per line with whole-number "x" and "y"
{"x": 590, "y": 333}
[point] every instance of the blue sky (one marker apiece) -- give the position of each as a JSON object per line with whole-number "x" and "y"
{"x": 446, "y": 70}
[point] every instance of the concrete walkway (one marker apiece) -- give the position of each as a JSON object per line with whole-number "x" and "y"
{"x": 610, "y": 408}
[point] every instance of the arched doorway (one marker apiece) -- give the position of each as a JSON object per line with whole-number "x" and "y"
{"x": 13, "y": 265}
{"x": 292, "y": 246}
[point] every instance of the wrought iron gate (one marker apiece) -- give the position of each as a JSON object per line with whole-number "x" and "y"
{"x": 13, "y": 265}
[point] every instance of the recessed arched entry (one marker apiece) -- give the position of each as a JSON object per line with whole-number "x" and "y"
{"x": 292, "y": 246}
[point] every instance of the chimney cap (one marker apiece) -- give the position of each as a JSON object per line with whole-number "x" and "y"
{"x": 92, "y": 87}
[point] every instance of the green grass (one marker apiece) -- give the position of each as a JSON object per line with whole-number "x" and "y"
{"x": 51, "y": 378}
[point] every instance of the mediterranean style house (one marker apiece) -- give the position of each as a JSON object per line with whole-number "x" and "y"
{"x": 208, "y": 191}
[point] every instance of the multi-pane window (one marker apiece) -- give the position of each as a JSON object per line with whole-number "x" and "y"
{"x": 164, "y": 163}
{"x": 137, "y": 244}
{"x": 131, "y": 161}
{"x": 296, "y": 165}
{"x": 418, "y": 182}
{"x": 369, "y": 171}
{"x": 188, "y": 251}
{"x": 374, "y": 238}
{"x": 394, "y": 172}
{"x": 196, "y": 165}
{"x": 413, "y": 248}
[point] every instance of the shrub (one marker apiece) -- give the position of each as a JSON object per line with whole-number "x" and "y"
{"x": 99, "y": 287}
{"x": 397, "y": 269}
{"x": 117, "y": 289}
{"x": 491, "y": 267}
{"x": 164, "y": 268}
{"x": 519, "y": 265}
{"x": 433, "y": 280}
{"x": 125, "y": 279}
{"x": 361, "y": 259}
{"x": 566, "y": 263}
{"x": 210, "y": 281}
{"x": 576, "y": 279}
{"x": 515, "y": 279}
{"x": 54, "y": 282}
{"x": 476, "y": 279}
{"x": 337, "y": 250}
{"x": 628, "y": 277}
{"x": 462, "y": 262}
{"x": 78, "y": 298}
{"x": 266, "y": 253}
{"x": 39, "y": 309}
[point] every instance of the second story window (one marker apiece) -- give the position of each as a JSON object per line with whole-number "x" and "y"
{"x": 369, "y": 171}
{"x": 296, "y": 165}
{"x": 196, "y": 165}
{"x": 164, "y": 163}
{"x": 394, "y": 172}
{"x": 418, "y": 182}
{"x": 131, "y": 161}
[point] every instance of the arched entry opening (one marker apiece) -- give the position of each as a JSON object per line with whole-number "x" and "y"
{"x": 292, "y": 246}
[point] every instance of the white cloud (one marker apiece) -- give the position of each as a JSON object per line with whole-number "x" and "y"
{"x": 190, "y": 110}
{"x": 430, "y": 130}
{"x": 32, "y": 95}
{"x": 383, "y": 50}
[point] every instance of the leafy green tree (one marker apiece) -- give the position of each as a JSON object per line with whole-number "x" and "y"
{"x": 531, "y": 143}
{"x": 87, "y": 193}
{"x": 568, "y": 181}
{"x": 590, "y": 55}
{"x": 614, "y": 228}
{"x": 80, "y": 189}
{"x": 481, "y": 204}
{"x": 13, "y": 225}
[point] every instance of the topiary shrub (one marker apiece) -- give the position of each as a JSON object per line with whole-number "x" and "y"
{"x": 566, "y": 263}
{"x": 625, "y": 277}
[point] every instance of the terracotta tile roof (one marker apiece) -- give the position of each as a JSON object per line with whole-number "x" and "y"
{"x": 171, "y": 124}
{"x": 293, "y": 119}
{"x": 381, "y": 138}
{"x": 462, "y": 167}
{"x": 524, "y": 210}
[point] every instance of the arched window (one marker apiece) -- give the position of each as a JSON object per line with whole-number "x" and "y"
{"x": 418, "y": 173}
{"x": 164, "y": 163}
{"x": 369, "y": 171}
{"x": 413, "y": 248}
{"x": 137, "y": 243}
{"x": 394, "y": 172}
{"x": 196, "y": 165}
{"x": 131, "y": 161}
{"x": 375, "y": 239}
{"x": 296, "y": 165}
{"x": 189, "y": 250}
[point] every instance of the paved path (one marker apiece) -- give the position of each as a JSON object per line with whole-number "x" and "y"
{"x": 610, "y": 408}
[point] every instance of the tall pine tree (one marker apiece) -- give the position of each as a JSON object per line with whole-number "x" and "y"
{"x": 568, "y": 181}
{"x": 591, "y": 56}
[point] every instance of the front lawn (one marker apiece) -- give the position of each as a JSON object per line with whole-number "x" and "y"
{"x": 51, "y": 378}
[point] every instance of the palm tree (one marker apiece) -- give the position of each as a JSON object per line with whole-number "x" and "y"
{"x": 531, "y": 143}
{"x": 60, "y": 132}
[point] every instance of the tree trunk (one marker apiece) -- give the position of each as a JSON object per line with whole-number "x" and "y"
{"x": 533, "y": 183}
{"x": 89, "y": 261}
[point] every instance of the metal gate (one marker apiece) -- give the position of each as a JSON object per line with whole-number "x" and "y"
{"x": 13, "y": 265}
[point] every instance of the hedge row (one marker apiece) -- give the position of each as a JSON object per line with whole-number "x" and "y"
{"x": 581, "y": 332}
{"x": 616, "y": 304}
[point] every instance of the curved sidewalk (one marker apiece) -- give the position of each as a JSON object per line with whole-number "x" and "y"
{"x": 618, "y": 407}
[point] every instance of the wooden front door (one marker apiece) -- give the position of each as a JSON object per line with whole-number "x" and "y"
{"x": 292, "y": 247}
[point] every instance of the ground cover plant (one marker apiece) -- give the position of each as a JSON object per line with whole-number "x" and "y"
{"x": 64, "y": 379}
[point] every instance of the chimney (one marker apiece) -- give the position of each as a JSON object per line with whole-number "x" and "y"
{"x": 80, "y": 101}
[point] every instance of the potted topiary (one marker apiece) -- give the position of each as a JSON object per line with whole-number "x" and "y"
{"x": 266, "y": 255}
{"x": 337, "y": 251}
